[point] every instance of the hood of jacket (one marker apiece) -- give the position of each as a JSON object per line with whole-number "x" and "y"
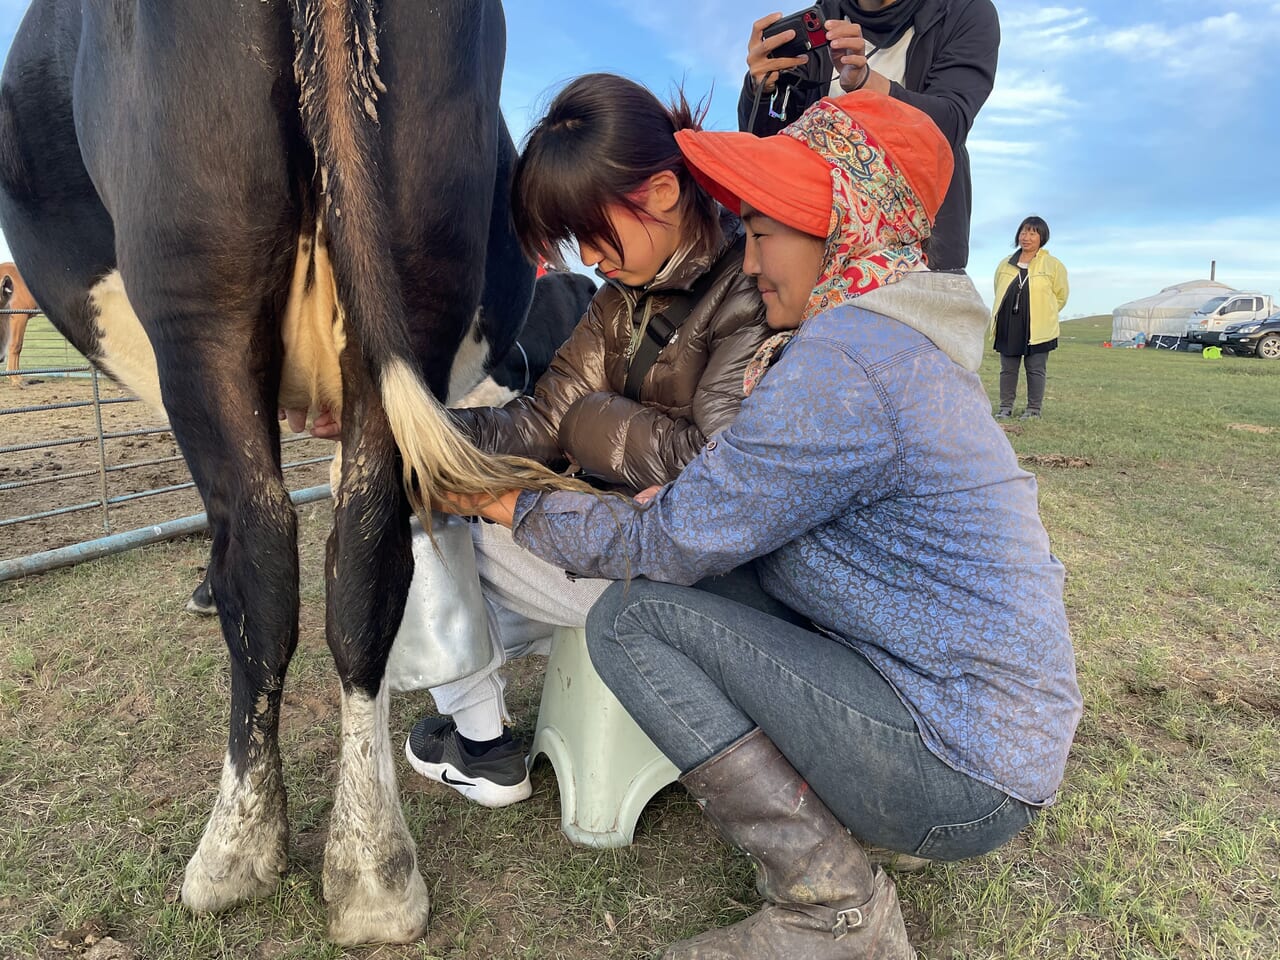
{"x": 945, "y": 307}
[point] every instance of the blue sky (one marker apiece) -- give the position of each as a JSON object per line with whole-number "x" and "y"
{"x": 1144, "y": 133}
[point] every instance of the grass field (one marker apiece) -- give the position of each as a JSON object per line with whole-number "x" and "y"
{"x": 44, "y": 347}
{"x": 1158, "y": 483}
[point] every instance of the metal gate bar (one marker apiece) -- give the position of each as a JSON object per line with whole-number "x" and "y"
{"x": 119, "y": 542}
{"x": 50, "y": 347}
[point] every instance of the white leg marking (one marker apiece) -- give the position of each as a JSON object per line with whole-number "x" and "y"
{"x": 126, "y": 350}
{"x": 488, "y": 393}
{"x": 371, "y": 881}
{"x": 245, "y": 847}
{"x": 468, "y": 362}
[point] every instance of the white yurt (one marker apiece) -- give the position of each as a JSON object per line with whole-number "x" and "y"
{"x": 1164, "y": 314}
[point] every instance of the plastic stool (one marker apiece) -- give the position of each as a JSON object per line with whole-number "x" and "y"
{"x": 606, "y": 766}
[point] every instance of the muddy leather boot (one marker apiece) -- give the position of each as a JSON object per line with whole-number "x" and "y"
{"x": 826, "y": 901}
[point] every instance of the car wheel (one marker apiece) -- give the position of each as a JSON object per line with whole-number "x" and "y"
{"x": 1269, "y": 347}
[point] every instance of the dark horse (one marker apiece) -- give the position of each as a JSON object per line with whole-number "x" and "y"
{"x": 234, "y": 206}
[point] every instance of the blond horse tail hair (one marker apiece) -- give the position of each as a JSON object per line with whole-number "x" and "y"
{"x": 336, "y": 66}
{"x": 437, "y": 457}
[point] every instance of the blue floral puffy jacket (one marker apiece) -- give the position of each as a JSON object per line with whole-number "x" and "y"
{"x": 887, "y": 505}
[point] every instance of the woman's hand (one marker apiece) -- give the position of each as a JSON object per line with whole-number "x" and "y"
{"x": 324, "y": 427}
{"x": 500, "y": 510}
{"x": 647, "y": 494}
{"x": 764, "y": 68}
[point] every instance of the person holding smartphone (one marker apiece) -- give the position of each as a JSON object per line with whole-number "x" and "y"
{"x": 937, "y": 55}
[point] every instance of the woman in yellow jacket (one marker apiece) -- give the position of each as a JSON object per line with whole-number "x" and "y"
{"x": 1031, "y": 288}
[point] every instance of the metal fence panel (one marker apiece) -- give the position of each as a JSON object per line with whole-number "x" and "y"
{"x": 72, "y": 480}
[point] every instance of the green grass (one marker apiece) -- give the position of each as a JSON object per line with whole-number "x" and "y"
{"x": 1165, "y": 842}
{"x": 44, "y": 347}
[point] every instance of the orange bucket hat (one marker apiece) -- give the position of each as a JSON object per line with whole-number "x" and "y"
{"x": 788, "y": 176}
{"x": 865, "y": 172}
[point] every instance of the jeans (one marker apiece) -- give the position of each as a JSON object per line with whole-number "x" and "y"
{"x": 1035, "y": 364}
{"x": 698, "y": 671}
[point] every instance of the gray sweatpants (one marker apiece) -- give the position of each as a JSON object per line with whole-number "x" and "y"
{"x": 526, "y": 599}
{"x": 1035, "y": 364}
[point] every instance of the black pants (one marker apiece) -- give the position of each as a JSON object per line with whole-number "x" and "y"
{"x": 1035, "y": 363}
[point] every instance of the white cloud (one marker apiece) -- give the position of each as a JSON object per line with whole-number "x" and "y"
{"x": 1236, "y": 38}
{"x": 996, "y": 159}
{"x": 1021, "y": 19}
{"x": 1045, "y": 31}
{"x": 1019, "y": 98}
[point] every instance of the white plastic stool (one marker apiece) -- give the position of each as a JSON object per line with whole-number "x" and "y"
{"x": 606, "y": 766}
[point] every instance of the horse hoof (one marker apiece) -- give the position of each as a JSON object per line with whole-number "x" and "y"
{"x": 245, "y": 848}
{"x": 212, "y": 884}
{"x": 366, "y": 911}
{"x": 202, "y": 602}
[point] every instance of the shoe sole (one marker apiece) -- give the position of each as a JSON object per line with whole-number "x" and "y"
{"x": 892, "y": 860}
{"x": 484, "y": 792}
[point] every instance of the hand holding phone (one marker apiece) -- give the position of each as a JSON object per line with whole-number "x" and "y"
{"x": 809, "y": 26}
{"x": 849, "y": 52}
{"x": 763, "y": 60}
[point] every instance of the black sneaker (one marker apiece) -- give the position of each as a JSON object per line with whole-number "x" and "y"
{"x": 496, "y": 778}
{"x": 1004, "y": 413}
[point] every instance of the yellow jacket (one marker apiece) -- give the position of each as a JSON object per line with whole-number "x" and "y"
{"x": 1047, "y": 281}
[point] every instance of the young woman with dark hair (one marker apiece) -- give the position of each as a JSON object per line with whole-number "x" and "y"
{"x": 593, "y": 156}
{"x": 627, "y": 400}
{"x": 1030, "y": 290}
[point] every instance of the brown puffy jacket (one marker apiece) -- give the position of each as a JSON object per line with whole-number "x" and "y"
{"x": 694, "y": 388}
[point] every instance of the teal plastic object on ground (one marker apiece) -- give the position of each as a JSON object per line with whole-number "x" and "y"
{"x": 606, "y": 766}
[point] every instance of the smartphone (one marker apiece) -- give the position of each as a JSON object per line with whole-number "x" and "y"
{"x": 810, "y": 32}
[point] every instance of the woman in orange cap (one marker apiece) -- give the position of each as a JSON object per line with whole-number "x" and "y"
{"x": 928, "y": 704}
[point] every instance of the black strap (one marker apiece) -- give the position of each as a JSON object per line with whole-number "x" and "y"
{"x": 663, "y": 326}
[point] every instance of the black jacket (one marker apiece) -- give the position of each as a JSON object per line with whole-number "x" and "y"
{"x": 951, "y": 67}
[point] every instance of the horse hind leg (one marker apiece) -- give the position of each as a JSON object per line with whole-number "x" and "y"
{"x": 17, "y": 332}
{"x": 201, "y": 600}
{"x": 232, "y": 451}
{"x": 244, "y": 849}
{"x": 372, "y": 885}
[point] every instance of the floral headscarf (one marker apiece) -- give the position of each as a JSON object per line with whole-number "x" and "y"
{"x": 877, "y": 221}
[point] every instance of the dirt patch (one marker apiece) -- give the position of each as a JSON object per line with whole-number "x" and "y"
{"x": 1249, "y": 685}
{"x": 88, "y": 942}
{"x": 1250, "y": 428}
{"x": 1056, "y": 460}
{"x": 56, "y": 419}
